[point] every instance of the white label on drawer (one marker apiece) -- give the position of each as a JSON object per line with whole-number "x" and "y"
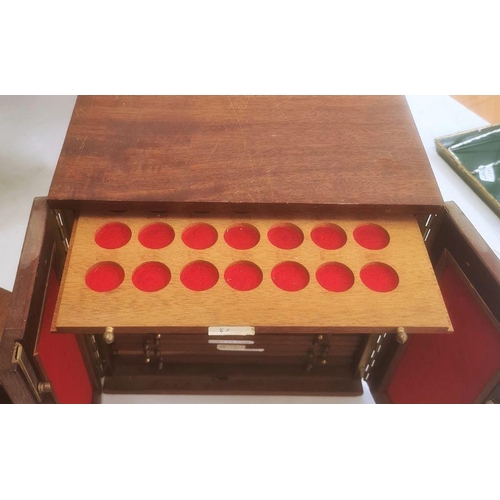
{"x": 238, "y": 348}
{"x": 219, "y": 341}
{"x": 231, "y": 330}
{"x": 486, "y": 173}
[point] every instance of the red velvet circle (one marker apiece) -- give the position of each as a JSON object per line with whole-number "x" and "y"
{"x": 290, "y": 276}
{"x": 113, "y": 235}
{"x": 156, "y": 235}
{"x": 199, "y": 236}
{"x": 379, "y": 277}
{"x": 243, "y": 276}
{"x": 329, "y": 236}
{"x": 371, "y": 236}
{"x": 199, "y": 276}
{"x": 285, "y": 236}
{"x": 242, "y": 236}
{"x": 104, "y": 276}
{"x": 335, "y": 277}
{"x": 151, "y": 276}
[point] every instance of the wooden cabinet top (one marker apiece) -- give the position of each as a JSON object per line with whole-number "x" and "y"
{"x": 350, "y": 153}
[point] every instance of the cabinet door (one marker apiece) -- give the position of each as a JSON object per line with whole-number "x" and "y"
{"x": 462, "y": 367}
{"x": 37, "y": 366}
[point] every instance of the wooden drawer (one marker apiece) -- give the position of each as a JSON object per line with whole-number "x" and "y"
{"x": 325, "y": 275}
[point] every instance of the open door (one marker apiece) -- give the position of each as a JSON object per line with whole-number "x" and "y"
{"x": 463, "y": 367}
{"x": 37, "y": 366}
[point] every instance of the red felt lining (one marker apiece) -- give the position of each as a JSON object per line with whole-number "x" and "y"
{"x": 60, "y": 355}
{"x": 371, "y": 236}
{"x": 329, "y": 236}
{"x": 285, "y": 236}
{"x": 151, "y": 276}
{"x": 335, "y": 277}
{"x": 290, "y": 276}
{"x": 113, "y": 235}
{"x": 379, "y": 277}
{"x": 199, "y": 276}
{"x": 156, "y": 235}
{"x": 449, "y": 368}
{"x": 242, "y": 236}
{"x": 199, "y": 236}
{"x": 243, "y": 276}
{"x": 104, "y": 276}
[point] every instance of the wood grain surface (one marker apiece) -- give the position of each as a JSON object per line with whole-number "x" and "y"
{"x": 415, "y": 304}
{"x": 233, "y": 379}
{"x": 350, "y": 153}
{"x": 4, "y": 304}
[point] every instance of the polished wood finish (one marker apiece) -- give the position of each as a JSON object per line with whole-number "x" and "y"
{"x": 344, "y": 153}
{"x": 233, "y": 379}
{"x": 26, "y": 303}
{"x": 289, "y": 364}
{"x": 4, "y": 397}
{"x": 16, "y": 387}
{"x": 4, "y": 304}
{"x": 31, "y": 280}
{"x": 267, "y": 308}
{"x": 337, "y": 350}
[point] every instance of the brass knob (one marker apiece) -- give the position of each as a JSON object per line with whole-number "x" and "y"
{"x": 401, "y": 335}
{"x": 44, "y": 387}
{"x": 109, "y": 335}
{"x": 323, "y": 361}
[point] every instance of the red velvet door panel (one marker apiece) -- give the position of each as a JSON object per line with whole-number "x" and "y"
{"x": 452, "y": 368}
{"x": 60, "y": 356}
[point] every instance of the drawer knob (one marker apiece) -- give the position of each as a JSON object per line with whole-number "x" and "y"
{"x": 401, "y": 335}
{"x": 109, "y": 335}
{"x": 44, "y": 387}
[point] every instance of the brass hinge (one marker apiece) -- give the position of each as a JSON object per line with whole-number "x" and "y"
{"x": 20, "y": 358}
{"x": 62, "y": 229}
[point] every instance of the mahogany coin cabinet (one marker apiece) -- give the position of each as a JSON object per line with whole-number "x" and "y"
{"x": 249, "y": 245}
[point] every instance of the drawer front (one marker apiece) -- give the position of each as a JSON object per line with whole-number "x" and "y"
{"x": 260, "y": 364}
{"x": 306, "y": 350}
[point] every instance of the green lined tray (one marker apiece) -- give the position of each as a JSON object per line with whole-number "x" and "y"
{"x": 475, "y": 156}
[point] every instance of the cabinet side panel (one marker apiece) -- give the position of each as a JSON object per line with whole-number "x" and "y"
{"x": 450, "y": 368}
